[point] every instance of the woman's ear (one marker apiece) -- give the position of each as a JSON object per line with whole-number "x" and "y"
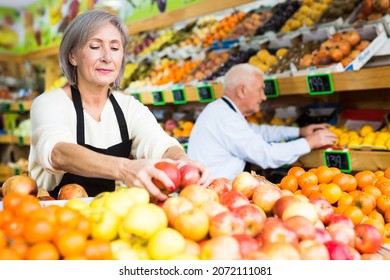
{"x": 72, "y": 59}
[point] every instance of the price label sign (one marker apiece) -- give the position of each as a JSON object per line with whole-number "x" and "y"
{"x": 5, "y": 107}
{"x": 179, "y": 96}
{"x": 338, "y": 159}
{"x": 271, "y": 88}
{"x": 158, "y": 97}
{"x": 318, "y": 84}
{"x": 137, "y": 96}
{"x": 21, "y": 107}
{"x": 205, "y": 93}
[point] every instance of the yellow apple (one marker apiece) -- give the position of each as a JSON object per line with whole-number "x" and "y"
{"x": 192, "y": 224}
{"x": 119, "y": 202}
{"x": 105, "y": 224}
{"x": 165, "y": 243}
{"x": 139, "y": 195}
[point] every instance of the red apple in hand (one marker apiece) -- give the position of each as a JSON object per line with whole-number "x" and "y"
{"x": 253, "y": 217}
{"x": 368, "y": 239}
{"x": 189, "y": 175}
{"x": 172, "y": 172}
{"x": 233, "y": 199}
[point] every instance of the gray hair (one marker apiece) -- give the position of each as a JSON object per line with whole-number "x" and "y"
{"x": 77, "y": 34}
{"x": 239, "y": 74}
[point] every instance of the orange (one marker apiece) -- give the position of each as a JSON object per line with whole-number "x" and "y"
{"x": 332, "y": 193}
{"x": 296, "y": 171}
{"x": 6, "y": 215}
{"x": 365, "y": 178}
{"x": 289, "y": 182}
{"x": 38, "y": 230}
{"x": 335, "y": 170}
{"x": 352, "y": 183}
{"x": 387, "y": 215}
{"x": 364, "y": 203}
{"x": 20, "y": 247}
{"x": 27, "y": 206}
{"x": 43, "y": 251}
{"x": 375, "y": 215}
{"x": 387, "y": 173}
{"x": 14, "y": 228}
{"x": 345, "y": 200}
{"x": 67, "y": 217}
{"x": 316, "y": 194}
{"x": 12, "y": 200}
{"x": 342, "y": 180}
{"x": 309, "y": 189}
{"x": 3, "y": 240}
{"x": 98, "y": 250}
{"x": 372, "y": 190}
{"x": 9, "y": 254}
{"x": 45, "y": 213}
{"x": 354, "y": 213}
{"x": 383, "y": 203}
{"x": 307, "y": 178}
{"x": 71, "y": 243}
{"x": 379, "y": 173}
{"x": 324, "y": 174}
{"x": 84, "y": 226}
{"x": 383, "y": 185}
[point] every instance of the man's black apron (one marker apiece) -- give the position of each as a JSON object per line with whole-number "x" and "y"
{"x": 94, "y": 186}
{"x": 247, "y": 166}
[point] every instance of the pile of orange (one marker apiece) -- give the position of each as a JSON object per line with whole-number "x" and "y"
{"x": 33, "y": 232}
{"x": 364, "y": 197}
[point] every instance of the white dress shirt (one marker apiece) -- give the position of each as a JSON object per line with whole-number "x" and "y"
{"x": 223, "y": 140}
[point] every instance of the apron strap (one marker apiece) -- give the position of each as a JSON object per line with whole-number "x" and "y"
{"x": 80, "y": 115}
{"x": 229, "y": 103}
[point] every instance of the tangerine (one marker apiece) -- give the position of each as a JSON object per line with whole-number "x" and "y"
{"x": 12, "y": 200}
{"x": 365, "y": 178}
{"x": 383, "y": 203}
{"x": 345, "y": 200}
{"x": 324, "y": 174}
{"x": 289, "y": 182}
{"x": 352, "y": 183}
{"x": 38, "y": 230}
{"x": 354, "y": 213}
{"x": 387, "y": 173}
{"x": 342, "y": 180}
{"x": 9, "y": 254}
{"x": 71, "y": 243}
{"x": 376, "y": 216}
{"x": 332, "y": 192}
{"x": 296, "y": 171}
{"x": 383, "y": 185}
{"x": 387, "y": 215}
{"x": 27, "y": 205}
{"x": 364, "y": 203}
{"x": 372, "y": 190}
{"x": 98, "y": 249}
{"x": 43, "y": 251}
{"x": 307, "y": 178}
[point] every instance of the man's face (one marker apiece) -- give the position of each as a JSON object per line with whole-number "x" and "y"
{"x": 254, "y": 94}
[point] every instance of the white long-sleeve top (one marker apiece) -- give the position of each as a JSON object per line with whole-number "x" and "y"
{"x": 223, "y": 140}
{"x": 53, "y": 120}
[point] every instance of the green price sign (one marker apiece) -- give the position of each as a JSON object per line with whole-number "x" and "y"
{"x": 205, "y": 93}
{"x": 137, "y": 96}
{"x": 318, "y": 84}
{"x": 179, "y": 96}
{"x": 271, "y": 88}
{"x": 158, "y": 97}
{"x": 338, "y": 159}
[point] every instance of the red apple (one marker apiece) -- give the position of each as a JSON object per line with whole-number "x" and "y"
{"x": 174, "y": 206}
{"x": 245, "y": 183}
{"x": 322, "y": 235}
{"x": 189, "y": 175}
{"x": 247, "y": 243}
{"x": 312, "y": 250}
{"x": 282, "y": 203}
{"x": 275, "y": 231}
{"x": 368, "y": 239}
{"x": 281, "y": 251}
{"x": 253, "y": 217}
{"x": 301, "y": 226}
{"x": 226, "y": 223}
{"x": 212, "y": 208}
{"x": 338, "y": 218}
{"x": 220, "y": 248}
{"x": 355, "y": 255}
{"x": 265, "y": 197}
{"x": 342, "y": 233}
{"x": 233, "y": 199}
{"x": 172, "y": 172}
{"x": 323, "y": 208}
{"x": 220, "y": 185}
{"x": 338, "y": 250}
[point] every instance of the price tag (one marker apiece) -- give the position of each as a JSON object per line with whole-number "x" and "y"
{"x": 179, "y": 96}
{"x": 158, "y": 97}
{"x": 271, "y": 89}
{"x": 21, "y": 141}
{"x": 5, "y": 106}
{"x": 137, "y": 96}
{"x": 205, "y": 93}
{"x": 338, "y": 159}
{"x": 320, "y": 84}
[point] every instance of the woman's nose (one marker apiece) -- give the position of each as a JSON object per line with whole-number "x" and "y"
{"x": 106, "y": 55}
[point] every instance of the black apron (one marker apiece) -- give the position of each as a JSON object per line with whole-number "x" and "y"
{"x": 94, "y": 186}
{"x": 248, "y": 166}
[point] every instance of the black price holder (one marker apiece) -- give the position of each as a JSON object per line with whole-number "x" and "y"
{"x": 271, "y": 88}
{"x": 318, "y": 84}
{"x": 137, "y": 95}
{"x": 339, "y": 159}
{"x": 179, "y": 96}
{"x": 158, "y": 97}
{"x": 205, "y": 93}
{"x": 5, "y": 106}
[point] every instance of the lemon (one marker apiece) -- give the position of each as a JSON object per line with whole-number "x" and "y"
{"x": 263, "y": 54}
{"x": 365, "y": 130}
{"x": 77, "y": 204}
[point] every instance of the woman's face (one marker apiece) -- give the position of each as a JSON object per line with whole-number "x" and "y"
{"x": 99, "y": 60}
